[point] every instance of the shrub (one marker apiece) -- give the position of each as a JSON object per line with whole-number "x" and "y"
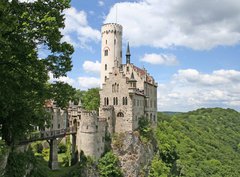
{"x": 62, "y": 148}
{"x": 109, "y": 166}
{"x": 37, "y": 147}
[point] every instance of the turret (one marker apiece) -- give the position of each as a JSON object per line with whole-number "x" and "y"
{"x": 111, "y": 49}
{"x": 128, "y": 55}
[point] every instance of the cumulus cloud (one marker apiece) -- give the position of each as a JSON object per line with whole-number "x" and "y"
{"x": 92, "y": 67}
{"x": 77, "y": 30}
{"x": 190, "y": 89}
{"x": 195, "y": 24}
{"x": 161, "y": 59}
{"x": 88, "y": 82}
{"x": 82, "y": 83}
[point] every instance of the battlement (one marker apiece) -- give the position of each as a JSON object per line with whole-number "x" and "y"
{"x": 111, "y": 28}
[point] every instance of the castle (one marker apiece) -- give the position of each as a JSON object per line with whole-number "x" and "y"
{"x": 127, "y": 94}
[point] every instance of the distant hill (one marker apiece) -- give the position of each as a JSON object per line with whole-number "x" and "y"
{"x": 170, "y": 112}
{"x": 205, "y": 142}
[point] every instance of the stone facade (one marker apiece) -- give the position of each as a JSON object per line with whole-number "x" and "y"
{"x": 127, "y": 94}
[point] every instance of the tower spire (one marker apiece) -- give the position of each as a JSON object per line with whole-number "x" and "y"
{"x": 128, "y": 54}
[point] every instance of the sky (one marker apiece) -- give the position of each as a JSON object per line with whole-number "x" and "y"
{"x": 191, "y": 48}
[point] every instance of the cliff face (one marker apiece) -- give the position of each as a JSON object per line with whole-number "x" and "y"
{"x": 134, "y": 155}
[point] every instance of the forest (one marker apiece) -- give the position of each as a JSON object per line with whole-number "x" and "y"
{"x": 204, "y": 142}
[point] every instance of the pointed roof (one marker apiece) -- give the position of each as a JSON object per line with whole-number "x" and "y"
{"x": 132, "y": 78}
{"x": 128, "y": 50}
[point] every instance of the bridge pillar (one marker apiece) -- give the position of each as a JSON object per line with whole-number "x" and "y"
{"x": 74, "y": 155}
{"x": 53, "y": 154}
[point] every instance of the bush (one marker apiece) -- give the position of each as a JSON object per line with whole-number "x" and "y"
{"x": 45, "y": 153}
{"x": 145, "y": 130}
{"x": 62, "y": 148}
{"x": 37, "y": 147}
{"x": 109, "y": 166}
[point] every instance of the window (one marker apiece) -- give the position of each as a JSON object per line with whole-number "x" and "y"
{"x": 113, "y": 100}
{"x": 107, "y": 100}
{"x": 105, "y": 67}
{"x": 105, "y": 78}
{"x": 106, "y": 52}
{"x": 58, "y": 126}
{"x": 116, "y": 101}
{"x": 127, "y": 69}
{"x": 106, "y": 41}
{"x": 120, "y": 114}
{"x": 114, "y": 41}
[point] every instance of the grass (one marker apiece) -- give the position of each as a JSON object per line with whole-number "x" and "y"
{"x": 62, "y": 171}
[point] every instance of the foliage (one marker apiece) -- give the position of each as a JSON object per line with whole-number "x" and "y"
{"x": 68, "y": 157}
{"x": 145, "y": 130}
{"x": 62, "y": 148}
{"x": 18, "y": 163}
{"x": 37, "y": 147}
{"x": 117, "y": 140}
{"x": 25, "y": 29}
{"x": 45, "y": 153}
{"x": 108, "y": 166}
{"x": 158, "y": 168}
{"x": 203, "y": 143}
{"x": 90, "y": 99}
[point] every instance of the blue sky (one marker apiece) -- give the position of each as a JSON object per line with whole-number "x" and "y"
{"x": 192, "y": 48}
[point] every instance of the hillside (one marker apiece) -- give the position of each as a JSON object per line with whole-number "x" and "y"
{"x": 205, "y": 142}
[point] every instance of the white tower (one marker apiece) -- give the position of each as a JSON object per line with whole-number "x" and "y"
{"x": 111, "y": 49}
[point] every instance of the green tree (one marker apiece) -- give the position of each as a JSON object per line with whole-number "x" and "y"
{"x": 24, "y": 29}
{"x": 90, "y": 99}
{"x": 108, "y": 166}
{"x": 158, "y": 168}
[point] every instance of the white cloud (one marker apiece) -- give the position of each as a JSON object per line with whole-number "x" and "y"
{"x": 194, "y": 24}
{"x": 92, "y": 67}
{"x": 189, "y": 89}
{"x": 77, "y": 30}
{"x": 101, "y": 3}
{"x": 82, "y": 82}
{"x": 64, "y": 79}
{"x": 161, "y": 59}
{"x": 88, "y": 82}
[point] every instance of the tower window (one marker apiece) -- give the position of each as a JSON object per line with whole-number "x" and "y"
{"x": 106, "y": 53}
{"x": 105, "y": 67}
{"x": 127, "y": 69}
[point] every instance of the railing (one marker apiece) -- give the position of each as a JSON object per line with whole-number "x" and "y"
{"x": 46, "y": 135}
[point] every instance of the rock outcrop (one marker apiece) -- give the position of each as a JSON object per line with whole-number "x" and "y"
{"x": 134, "y": 155}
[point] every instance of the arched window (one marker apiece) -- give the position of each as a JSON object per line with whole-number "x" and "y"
{"x": 123, "y": 101}
{"x": 106, "y": 52}
{"x": 120, "y": 114}
{"x": 126, "y": 101}
{"x": 107, "y": 100}
{"x": 116, "y": 101}
{"x": 105, "y": 67}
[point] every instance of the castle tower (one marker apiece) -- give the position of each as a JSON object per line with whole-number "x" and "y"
{"x": 111, "y": 50}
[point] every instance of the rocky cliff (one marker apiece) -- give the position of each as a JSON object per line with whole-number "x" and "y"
{"x": 135, "y": 156}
